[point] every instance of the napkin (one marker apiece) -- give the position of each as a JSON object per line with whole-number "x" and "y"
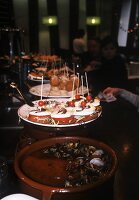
{"x": 106, "y": 97}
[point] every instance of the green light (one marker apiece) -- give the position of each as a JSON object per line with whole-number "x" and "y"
{"x": 93, "y": 21}
{"x": 50, "y": 20}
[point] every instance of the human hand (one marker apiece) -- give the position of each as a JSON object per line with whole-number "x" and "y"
{"x": 88, "y": 68}
{"x": 112, "y": 91}
{"x": 94, "y": 64}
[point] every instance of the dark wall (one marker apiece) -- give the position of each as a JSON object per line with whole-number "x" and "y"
{"x": 109, "y": 23}
{"x": 6, "y": 20}
{"x": 33, "y": 25}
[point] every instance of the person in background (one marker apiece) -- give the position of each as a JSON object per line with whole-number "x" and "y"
{"x": 108, "y": 67}
{"x": 91, "y": 58}
{"x": 127, "y": 95}
{"x": 113, "y": 68}
{"x": 79, "y": 45}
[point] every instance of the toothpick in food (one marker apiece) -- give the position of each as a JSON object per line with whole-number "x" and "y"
{"x": 41, "y": 87}
{"x": 86, "y": 83}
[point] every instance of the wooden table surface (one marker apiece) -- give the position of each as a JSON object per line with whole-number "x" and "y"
{"x": 117, "y": 126}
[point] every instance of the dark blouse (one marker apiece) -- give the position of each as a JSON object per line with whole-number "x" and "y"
{"x": 111, "y": 73}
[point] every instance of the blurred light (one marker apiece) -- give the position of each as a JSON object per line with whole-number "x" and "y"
{"x": 93, "y": 21}
{"x": 50, "y": 20}
{"x": 126, "y": 148}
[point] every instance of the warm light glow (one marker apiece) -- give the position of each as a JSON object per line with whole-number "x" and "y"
{"x": 93, "y": 21}
{"x": 126, "y": 148}
{"x": 50, "y": 20}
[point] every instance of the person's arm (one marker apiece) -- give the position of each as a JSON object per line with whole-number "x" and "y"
{"x": 129, "y": 96}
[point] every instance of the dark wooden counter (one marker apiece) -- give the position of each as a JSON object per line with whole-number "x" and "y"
{"x": 118, "y": 127}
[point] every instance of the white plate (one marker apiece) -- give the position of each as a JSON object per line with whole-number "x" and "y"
{"x": 23, "y": 113}
{"x": 38, "y": 80}
{"x": 18, "y": 197}
{"x": 36, "y": 90}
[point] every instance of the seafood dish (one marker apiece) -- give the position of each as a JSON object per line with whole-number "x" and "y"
{"x": 68, "y": 164}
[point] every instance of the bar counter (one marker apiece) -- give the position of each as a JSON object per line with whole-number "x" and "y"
{"x": 118, "y": 127}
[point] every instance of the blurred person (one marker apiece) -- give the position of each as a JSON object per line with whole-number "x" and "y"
{"x": 91, "y": 58}
{"x": 125, "y": 94}
{"x": 79, "y": 45}
{"x": 113, "y": 68}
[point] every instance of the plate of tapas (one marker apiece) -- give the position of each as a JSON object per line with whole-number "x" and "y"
{"x": 47, "y": 58}
{"x": 33, "y": 76}
{"x": 52, "y": 92}
{"x": 62, "y": 85}
{"x": 62, "y": 112}
{"x": 37, "y": 73}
